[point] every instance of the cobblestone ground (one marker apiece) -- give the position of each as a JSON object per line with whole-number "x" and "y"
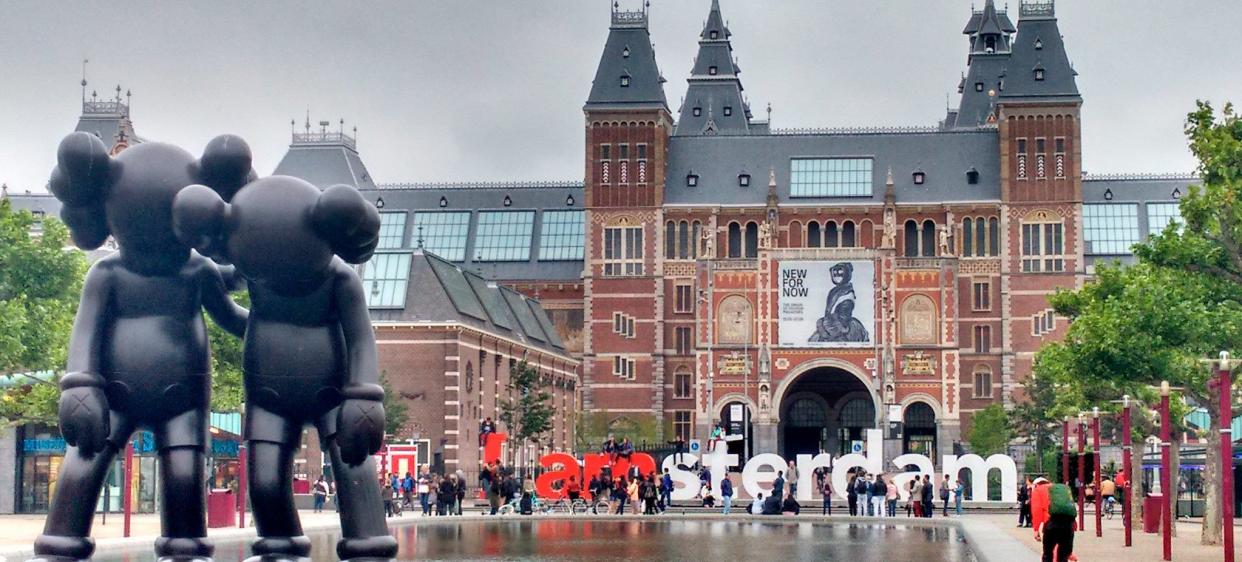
{"x": 1147, "y": 548}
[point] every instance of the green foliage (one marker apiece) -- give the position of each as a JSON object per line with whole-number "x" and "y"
{"x": 40, "y": 280}
{"x": 227, "y": 393}
{"x": 989, "y": 431}
{"x": 396, "y": 412}
{"x": 529, "y": 415}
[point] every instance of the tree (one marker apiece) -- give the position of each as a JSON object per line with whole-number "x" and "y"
{"x": 989, "y": 431}
{"x": 227, "y": 391}
{"x": 528, "y": 415}
{"x": 396, "y": 412}
{"x": 40, "y": 280}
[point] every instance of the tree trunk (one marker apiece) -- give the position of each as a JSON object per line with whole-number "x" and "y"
{"x": 1211, "y": 532}
{"x": 1135, "y": 473}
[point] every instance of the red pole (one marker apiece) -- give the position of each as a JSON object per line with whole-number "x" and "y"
{"x": 1125, "y": 491}
{"x": 1226, "y": 452}
{"x": 1095, "y": 453}
{"x": 241, "y": 486}
{"x": 1165, "y": 489}
{"x": 1065, "y": 451}
{"x": 127, "y": 487}
{"x": 1082, "y": 473}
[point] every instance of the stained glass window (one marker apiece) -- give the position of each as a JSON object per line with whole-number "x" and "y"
{"x": 1159, "y": 215}
{"x": 504, "y": 235}
{"x": 830, "y": 177}
{"x": 562, "y": 235}
{"x": 1110, "y": 228}
{"x": 385, "y": 278}
{"x": 392, "y": 230}
{"x": 442, "y": 233}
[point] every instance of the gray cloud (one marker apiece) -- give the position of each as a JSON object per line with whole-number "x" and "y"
{"x": 472, "y": 89}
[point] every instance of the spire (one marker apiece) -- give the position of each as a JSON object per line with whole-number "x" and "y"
{"x": 1039, "y": 67}
{"x": 627, "y": 75}
{"x": 990, "y": 32}
{"x": 714, "y": 81}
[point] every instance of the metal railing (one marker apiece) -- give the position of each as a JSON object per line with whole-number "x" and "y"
{"x": 542, "y": 184}
{"x": 324, "y": 137}
{"x": 1141, "y": 176}
{"x": 113, "y": 107}
{"x": 1037, "y": 8}
{"x": 920, "y": 129}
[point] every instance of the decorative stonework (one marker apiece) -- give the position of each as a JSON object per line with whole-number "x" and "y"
{"x": 918, "y": 320}
{"x": 734, "y": 320}
{"x": 918, "y": 363}
{"x": 678, "y": 269}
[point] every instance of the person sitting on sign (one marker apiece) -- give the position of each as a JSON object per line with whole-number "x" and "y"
{"x": 610, "y": 448}
{"x": 716, "y": 436}
{"x": 838, "y": 323}
{"x": 486, "y": 427}
{"x": 626, "y": 450}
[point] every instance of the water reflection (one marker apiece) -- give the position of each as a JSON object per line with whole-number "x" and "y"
{"x": 617, "y": 540}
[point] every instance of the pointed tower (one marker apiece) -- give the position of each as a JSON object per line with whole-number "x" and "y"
{"x": 714, "y": 101}
{"x": 989, "y": 32}
{"x": 1039, "y": 133}
{"x": 627, "y": 130}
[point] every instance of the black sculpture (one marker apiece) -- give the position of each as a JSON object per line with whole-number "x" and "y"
{"x": 310, "y": 354}
{"x": 138, "y": 354}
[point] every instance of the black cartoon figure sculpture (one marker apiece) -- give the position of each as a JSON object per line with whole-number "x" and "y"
{"x": 838, "y": 323}
{"x": 310, "y": 354}
{"x": 138, "y": 354}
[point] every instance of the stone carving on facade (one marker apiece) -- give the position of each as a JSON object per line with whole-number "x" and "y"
{"x": 706, "y": 246}
{"x": 918, "y": 320}
{"x": 765, "y": 235}
{"x": 890, "y": 228}
{"x": 946, "y": 249}
{"x": 734, "y": 320}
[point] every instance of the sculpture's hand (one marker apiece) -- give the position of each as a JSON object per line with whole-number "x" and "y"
{"x": 360, "y": 423}
{"x": 84, "y": 418}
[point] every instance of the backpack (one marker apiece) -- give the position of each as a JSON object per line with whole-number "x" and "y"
{"x": 1060, "y": 501}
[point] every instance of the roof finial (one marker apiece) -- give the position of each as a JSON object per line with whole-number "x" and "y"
{"x": 84, "y": 61}
{"x": 307, "y": 121}
{"x": 293, "y": 126}
{"x": 889, "y": 181}
{"x": 772, "y": 177}
{"x": 769, "y": 113}
{"x": 420, "y": 236}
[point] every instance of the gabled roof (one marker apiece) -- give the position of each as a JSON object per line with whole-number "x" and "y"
{"x": 627, "y": 75}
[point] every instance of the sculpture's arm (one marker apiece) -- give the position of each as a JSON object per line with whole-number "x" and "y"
{"x": 228, "y": 314}
{"x": 83, "y": 409}
{"x": 360, "y": 424}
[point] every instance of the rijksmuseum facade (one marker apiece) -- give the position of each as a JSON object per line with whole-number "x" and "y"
{"x": 797, "y": 286}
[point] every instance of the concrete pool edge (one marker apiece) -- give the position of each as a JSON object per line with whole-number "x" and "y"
{"x": 984, "y": 539}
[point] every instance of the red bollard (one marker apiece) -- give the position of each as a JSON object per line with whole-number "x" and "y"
{"x": 1095, "y": 453}
{"x": 1065, "y": 452}
{"x": 1082, "y": 473}
{"x": 1226, "y": 452}
{"x": 127, "y": 488}
{"x": 1165, "y": 465}
{"x": 241, "y": 486}
{"x": 1126, "y": 445}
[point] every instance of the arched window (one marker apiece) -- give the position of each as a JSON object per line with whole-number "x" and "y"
{"x": 695, "y": 235}
{"x": 981, "y": 248}
{"x": 752, "y": 239}
{"x": 806, "y": 412}
{"x": 920, "y": 426}
{"x": 813, "y": 239}
{"x": 831, "y": 237}
{"x": 929, "y": 238}
{"x": 919, "y": 416}
{"x": 795, "y": 235}
{"x": 967, "y": 237}
{"x": 848, "y": 238}
{"x": 912, "y": 239}
{"x": 735, "y": 240}
{"x": 670, "y": 241}
{"x": 858, "y": 413}
{"x": 993, "y": 237}
{"x": 683, "y": 240}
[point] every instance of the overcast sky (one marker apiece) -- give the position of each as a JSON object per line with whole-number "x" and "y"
{"x": 493, "y": 90}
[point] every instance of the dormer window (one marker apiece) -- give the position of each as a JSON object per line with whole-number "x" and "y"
{"x": 508, "y": 201}
{"x": 1039, "y": 74}
{"x": 1039, "y": 44}
{"x": 698, "y": 111}
{"x": 972, "y": 176}
{"x": 443, "y": 201}
{"x": 990, "y": 43}
{"x": 625, "y": 81}
{"x": 714, "y": 34}
{"x": 692, "y": 179}
{"x": 625, "y": 53}
{"x": 712, "y": 70}
{"x": 743, "y": 179}
{"x": 978, "y": 86}
{"x": 728, "y": 111}
{"x": 919, "y": 177}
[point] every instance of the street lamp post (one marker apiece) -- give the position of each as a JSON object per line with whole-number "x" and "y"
{"x": 1095, "y": 453}
{"x": 1126, "y": 460}
{"x": 1226, "y": 452}
{"x": 1166, "y": 490}
{"x": 1081, "y": 483}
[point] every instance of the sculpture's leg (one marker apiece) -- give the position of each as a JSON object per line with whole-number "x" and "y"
{"x": 67, "y": 530}
{"x": 182, "y": 474}
{"x": 269, "y": 469}
{"x": 364, "y": 533}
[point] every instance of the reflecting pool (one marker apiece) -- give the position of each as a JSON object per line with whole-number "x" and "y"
{"x": 761, "y": 540}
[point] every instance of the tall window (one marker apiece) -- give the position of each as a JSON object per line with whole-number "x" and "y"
{"x": 670, "y": 241}
{"x": 682, "y": 383}
{"x": 830, "y": 177}
{"x": 832, "y": 238}
{"x": 684, "y": 299}
{"x": 385, "y": 279}
{"x": 1043, "y": 323}
{"x": 1021, "y": 159}
{"x": 1043, "y": 247}
{"x": 735, "y": 240}
{"x": 504, "y": 235}
{"x": 983, "y": 381}
{"x": 605, "y": 164}
{"x": 1159, "y": 215}
{"x": 562, "y": 235}
{"x": 443, "y": 233}
{"x": 848, "y": 236}
{"x": 980, "y": 237}
{"x": 623, "y": 250}
{"x": 1110, "y": 228}
{"x": 981, "y": 296}
{"x": 912, "y": 239}
{"x": 392, "y": 230}
{"x": 624, "y": 367}
{"x": 1041, "y": 167}
{"x": 623, "y": 324}
{"x": 983, "y": 339}
{"x": 1059, "y": 163}
{"x": 752, "y": 239}
{"x": 681, "y": 423}
{"x": 929, "y": 238}
{"x": 681, "y": 337}
{"x": 813, "y": 237}
{"x": 681, "y": 239}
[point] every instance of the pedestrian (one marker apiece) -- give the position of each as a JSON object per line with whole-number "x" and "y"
{"x": 825, "y": 488}
{"x": 709, "y": 500}
{"x": 460, "y": 484}
{"x": 407, "y": 490}
{"x": 632, "y": 493}
{"x": 573, "y": 490}
{"x": 958, "y": 490}
{"x": 387, "y": 495}
{"x": 424, "y": 491}
{"x": 915, "y": 504}
{"x": 778, "y": 486}
{"x": 860, "y": 489}
{"x": 869, "y": 504}
{"x": 650, "y": 495}
{"x": 851, "y": 494}
{"x": 878, "y": 493}
{"x": 666, "y": 490}
{"x": 726, "y": 494}
{"x": 1054, "y": 512}
{"x": 321, "y": 492}
{"x": 619, "y": 495}
{"x": 1024, "y": 503}
{"x": 946, "y": 490}
{"x": 445, "y": 496}
{"x": 792, "y": 476}
{"x": 928, "y": 493}
{"x": 890, "y": 497}
{"x": 679, "y": 449}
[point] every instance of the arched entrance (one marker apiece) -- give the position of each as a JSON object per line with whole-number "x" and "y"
{"x": 735, "y": 415}
{"x": 920, "y": 429}
{"x": 824, "y": 409}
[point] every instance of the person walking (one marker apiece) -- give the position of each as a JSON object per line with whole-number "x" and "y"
{"x": 666, "y": 491}
{"x": 946, "y": 490}
{"x": 407, "y": 491}
{"x": 424, "y": 491}
{"x": 321, "y": 492}
{"x": 1024, "y": 503}
{"x": 619, "y": 495}
{"x": 792, "y": 477}
{"x": 851, "y": 494}
{"x": 825, "y": 488}
{"x": 649, "y": 494}
{"x": 726, "y": 495}
{"x": 870, "y": 495}
{"x": 878, "y": 493}
{"x": 928, "y": 493}
{"x": 958, "y": 490}
{"x": 890, "y": 497}
{"x": 860, "y": 489}
{"x": 778, "y": 485}
{"x": 632, "y": 492}
{"x": 1055, "y": 521}
{"x": 915, "y": 505}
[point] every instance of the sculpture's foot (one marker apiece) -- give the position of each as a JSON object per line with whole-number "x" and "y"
{"x": 184, "y": 559}
{"x": 367, "y": 549}
{"x": 54, "y": 548}
{"x": 281, "y": 549}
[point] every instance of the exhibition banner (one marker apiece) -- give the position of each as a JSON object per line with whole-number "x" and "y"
{"x": 827, "y": 303}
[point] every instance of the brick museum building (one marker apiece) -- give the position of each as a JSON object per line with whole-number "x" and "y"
{"x": 796, "y": 286}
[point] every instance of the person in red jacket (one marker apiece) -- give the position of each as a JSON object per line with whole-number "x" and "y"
{"x": 573, "y": 489}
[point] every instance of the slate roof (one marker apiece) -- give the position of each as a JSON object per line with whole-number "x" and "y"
{"x": 628, "y": 52}
{"x": 716, "y": 97}
{"x": 1039, "y": 44}
{"x": 944, "y": 156}
{"x": 325, "y": 159}
{"x": 440, "y": 291}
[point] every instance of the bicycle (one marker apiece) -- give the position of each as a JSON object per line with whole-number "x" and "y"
{"x": 1110, "y": 506}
